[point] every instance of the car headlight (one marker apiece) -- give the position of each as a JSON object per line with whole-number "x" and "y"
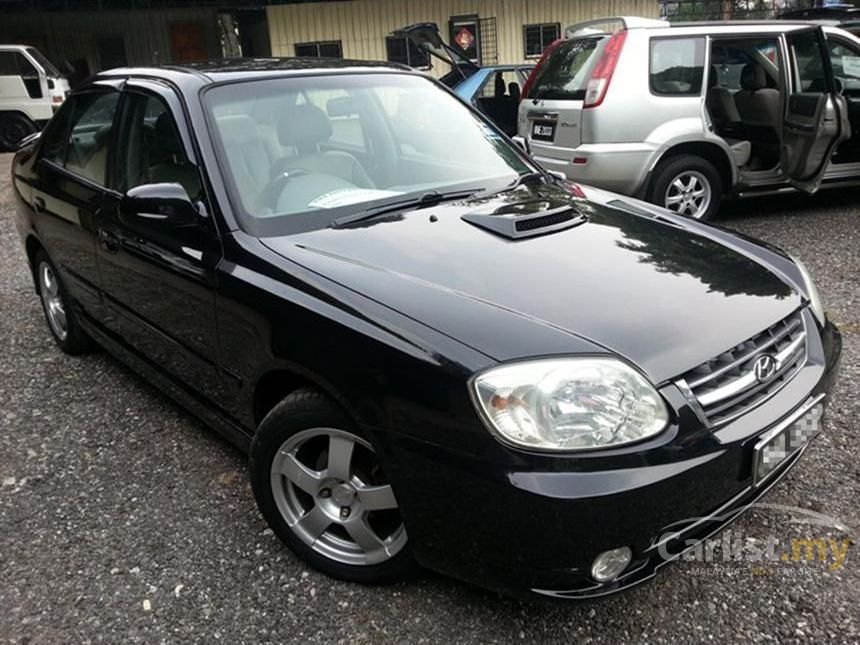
{"x": 569, "y": 404}
{"x": 811, "y": 292}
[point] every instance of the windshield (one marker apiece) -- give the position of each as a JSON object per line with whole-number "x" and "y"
{"x": 44, "y": 63}
{"x": 300, "y": 152}
{"x": 565, "y": 73}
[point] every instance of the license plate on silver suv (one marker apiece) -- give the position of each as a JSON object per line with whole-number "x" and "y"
{"x": 543, "y": 130}
{"x": 783, "y": 441}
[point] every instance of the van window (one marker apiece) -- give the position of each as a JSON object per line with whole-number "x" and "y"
{"x": 677, "y": 66}
{"x": 565, "y": 73}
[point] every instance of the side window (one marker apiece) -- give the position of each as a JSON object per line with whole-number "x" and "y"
{"x": 89, "y": 137}
{"x": 501, "y": 85}
{"x": 677, "y": 66}
{"x": 8, "y": 65}
{"x": 56, "y": 135}
{"x": 150, "y": 148}
{"x": 845, "y": 61}
{"x": 808, "y": 62}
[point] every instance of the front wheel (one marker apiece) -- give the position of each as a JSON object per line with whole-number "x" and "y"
{"x": 319, "y": 485}
{"x": 687, "y": 185}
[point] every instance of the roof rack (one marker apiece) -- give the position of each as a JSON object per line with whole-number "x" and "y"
{"x": 625, "y": 22}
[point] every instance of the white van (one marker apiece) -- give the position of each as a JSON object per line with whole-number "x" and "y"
{"x": 31, "y": 90}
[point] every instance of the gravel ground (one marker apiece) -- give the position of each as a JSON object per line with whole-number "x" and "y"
{"x": 124, "y": 519}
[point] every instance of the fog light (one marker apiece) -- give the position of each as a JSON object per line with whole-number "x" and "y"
{"x": 609, "y": 564}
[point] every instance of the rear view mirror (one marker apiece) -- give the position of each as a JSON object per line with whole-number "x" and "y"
{"x": 341, "y": 106}
{"x": 166, "y": 205}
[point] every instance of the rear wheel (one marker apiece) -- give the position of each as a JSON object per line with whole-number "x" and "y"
{"x": 61, "y": 318}
{"x": 319, "y": 485}
{"x": 13, "y": 128}
{"x": 687, "y": 185}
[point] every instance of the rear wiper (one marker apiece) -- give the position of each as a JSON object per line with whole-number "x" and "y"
{"x": 427, "y": 199}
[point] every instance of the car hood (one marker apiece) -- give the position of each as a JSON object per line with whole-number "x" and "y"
{"x": 664, "y": 296}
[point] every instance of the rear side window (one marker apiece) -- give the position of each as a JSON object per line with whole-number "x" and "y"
{"x": 677, "y": 66}
{"x": 565, "y": 72}
{"x": 89, "y": 138}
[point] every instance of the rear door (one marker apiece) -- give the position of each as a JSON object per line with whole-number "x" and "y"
{"x": 551, "y": 114}
{"x": 816, "y": 119}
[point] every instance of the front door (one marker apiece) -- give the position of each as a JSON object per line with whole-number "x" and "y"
{"x": 816, "y": 119}
{"x": 159, "y": 277}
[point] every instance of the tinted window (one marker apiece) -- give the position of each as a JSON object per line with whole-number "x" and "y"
{"x": 539, "y": 37}
{"x": 809, "y": 63}
{"x": 845, "y": 61}
{"x": 677, "y": 66}
{"x": 150, "y": 149}
{"x": 89, "y": 139}
{"x": 565, "y": 73}
{"x": 53, "y": 146}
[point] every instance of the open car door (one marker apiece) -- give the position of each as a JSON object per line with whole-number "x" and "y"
{"x": 816, "y": 119}
{"x": 425, "y": 35}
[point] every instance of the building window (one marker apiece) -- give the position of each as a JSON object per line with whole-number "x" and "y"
{"x": 539, "y": 37}
{"x": 406, "y": 52}
{"x": 322, "y": 49}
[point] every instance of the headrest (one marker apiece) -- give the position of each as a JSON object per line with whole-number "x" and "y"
{"x": 304, "y": 125}
{"x": 236, "y": 128}
{"x": 753, "y": 77}
{"x": 514, "y": 90}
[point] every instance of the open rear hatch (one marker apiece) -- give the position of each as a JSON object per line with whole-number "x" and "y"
{"x": 425, "y": 35}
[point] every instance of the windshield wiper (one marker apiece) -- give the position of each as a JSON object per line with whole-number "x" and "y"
{"x": 422, "y": 201}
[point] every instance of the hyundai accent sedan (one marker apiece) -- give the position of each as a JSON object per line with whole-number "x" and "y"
{"x": 435, "y": 353}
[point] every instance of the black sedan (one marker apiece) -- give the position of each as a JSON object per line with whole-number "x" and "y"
{"x": 434, "y": 352}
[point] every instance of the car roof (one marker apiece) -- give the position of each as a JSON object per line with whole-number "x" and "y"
{"x": 246, "y": 68}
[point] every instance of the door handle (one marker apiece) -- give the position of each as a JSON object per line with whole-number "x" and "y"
{"x": 108, "y": 241}
{"x": 38, "y": 204}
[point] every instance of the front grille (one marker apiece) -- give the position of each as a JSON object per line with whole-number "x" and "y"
{"x": 726, "y": 386}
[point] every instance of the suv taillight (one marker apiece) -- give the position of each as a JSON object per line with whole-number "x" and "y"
{"x": 595, "y": 91}
{"x": 531, "y": 79}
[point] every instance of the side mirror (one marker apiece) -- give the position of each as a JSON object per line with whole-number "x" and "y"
{"x": 162, "y": 205}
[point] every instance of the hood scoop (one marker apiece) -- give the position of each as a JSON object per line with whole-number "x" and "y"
{"x": 526, "y": 219}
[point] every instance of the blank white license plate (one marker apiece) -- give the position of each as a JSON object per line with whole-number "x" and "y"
{"x": 780, "y": 443}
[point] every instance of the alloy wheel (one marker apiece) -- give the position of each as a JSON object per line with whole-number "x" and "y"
{"x": 330, "y": 490}
{"x": 688, "y": 194}
{"x": 52, "y": 300}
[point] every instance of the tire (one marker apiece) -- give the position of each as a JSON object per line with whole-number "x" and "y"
{"x": 677, "y": 182}
{"x": 57, "y": 306}
{"x": 13, "y": 128}
{"x": 307, "y": 428}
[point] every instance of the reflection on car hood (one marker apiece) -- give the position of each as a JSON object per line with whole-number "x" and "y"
{"x": 660, "y": 295}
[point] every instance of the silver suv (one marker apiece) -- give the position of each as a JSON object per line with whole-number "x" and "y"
{"x": 683, "y": 114}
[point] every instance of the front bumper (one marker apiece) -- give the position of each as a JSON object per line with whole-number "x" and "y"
{"x": 527, "y": 524}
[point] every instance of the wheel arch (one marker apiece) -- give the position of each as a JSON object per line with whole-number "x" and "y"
{"x": 278, "y": 382}
{"x": 711, "y": 152}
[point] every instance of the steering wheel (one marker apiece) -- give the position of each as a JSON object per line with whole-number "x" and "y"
{"x": 268, "y": 197}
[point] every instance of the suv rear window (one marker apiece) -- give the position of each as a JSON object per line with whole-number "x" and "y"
{"x": 565, "y": 72}
{"x": 677, "y": 66}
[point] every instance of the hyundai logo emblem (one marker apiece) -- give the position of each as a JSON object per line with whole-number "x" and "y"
{"x": 764, "y": 367}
